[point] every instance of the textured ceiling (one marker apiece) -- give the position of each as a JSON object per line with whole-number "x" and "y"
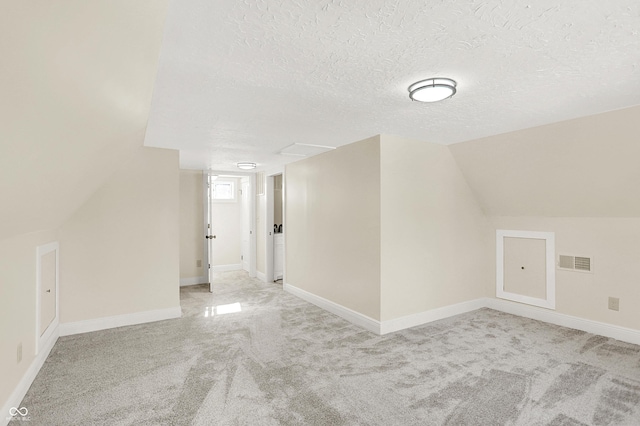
{"x": 240, "y": 80}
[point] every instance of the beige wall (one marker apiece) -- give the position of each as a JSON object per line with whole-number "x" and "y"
{"x": 587, "y": 167}
{"x": 435, "y": 239}
{"x": 333, "y": 226}
{"x": 575, "y": 178}
{"x": 76, "y": 87}
{"x": 192, "y": 230}
{"x": 119, "y": 253}
{"x": 226, "y": 226}
{"x": 18, "y": 306}
{"x": 387, "y": 227}
{"x": 614, "y": 245}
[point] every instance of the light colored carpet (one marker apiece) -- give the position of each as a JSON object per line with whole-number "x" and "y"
{"x": 280, "y": 360}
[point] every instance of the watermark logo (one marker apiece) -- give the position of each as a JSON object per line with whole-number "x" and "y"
{"x": 15, "y": 411}
{"x": 19, "y": 414}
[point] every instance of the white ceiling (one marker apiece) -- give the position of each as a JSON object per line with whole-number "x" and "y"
{"x": 241, "y": 80}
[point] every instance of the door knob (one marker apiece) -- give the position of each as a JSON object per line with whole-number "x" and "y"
{"x": 49, "y": 291}
{"x": 210, "y": 237}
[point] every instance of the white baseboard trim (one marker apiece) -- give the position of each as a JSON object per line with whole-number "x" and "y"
{"x": 595, "y": 327}
{"x": 352, "y": 316}
{"x": 261, "y": 276}
{"x": 425, "y": 317}
{"x": 623, "y": 334}
{"x": 29, "y": 376}
{"x": 225, "y": 268}
{"x": 193, "y": 281}
{"x": 86, "y": 326}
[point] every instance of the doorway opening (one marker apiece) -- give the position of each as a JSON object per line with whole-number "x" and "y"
{"x": 229, "y": 223}
{"x": 278, "y": 233}
{"x": 275, "y": 223}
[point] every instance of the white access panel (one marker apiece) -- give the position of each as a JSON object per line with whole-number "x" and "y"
{"x": 525, "y": 267}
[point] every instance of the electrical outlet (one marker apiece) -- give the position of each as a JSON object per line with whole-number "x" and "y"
{"x": 614, "y": 303}
{"x": 19, "y": 353}
{"x": 199, "y": 263}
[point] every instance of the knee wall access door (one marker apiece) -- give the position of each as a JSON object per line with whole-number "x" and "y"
{"x": 525, "y": 267}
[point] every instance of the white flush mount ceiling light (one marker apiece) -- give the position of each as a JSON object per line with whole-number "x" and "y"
{"x": 432, "y": 90}
{"x": 246, "y": 166}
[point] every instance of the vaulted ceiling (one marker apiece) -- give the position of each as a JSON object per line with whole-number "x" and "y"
{"x": 241, "y": 80}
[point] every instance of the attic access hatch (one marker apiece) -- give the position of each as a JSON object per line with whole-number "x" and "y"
{"x": 305, "y": 150}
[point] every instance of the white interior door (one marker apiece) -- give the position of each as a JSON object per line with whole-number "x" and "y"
{"x": 246, "y": 226}
{"x": 210, "y": 235}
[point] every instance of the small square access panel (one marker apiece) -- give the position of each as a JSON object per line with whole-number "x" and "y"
{"x": 305, "y": 150}
{"x": 525, "y": 267}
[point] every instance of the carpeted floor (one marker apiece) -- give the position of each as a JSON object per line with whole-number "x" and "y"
{"x": 279, "y": 360}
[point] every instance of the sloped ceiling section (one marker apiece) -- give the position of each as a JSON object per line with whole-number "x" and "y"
{"x": 76, "y": 80}
{"x": 587, "y": 167}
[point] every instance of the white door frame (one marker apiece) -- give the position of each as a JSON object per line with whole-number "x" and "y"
{"x": 252, "y": 218}
{"x": 268, "y": 223}
{"x": 206, "y": 203}
{"x": 208, "y": 235}
{"x": 43, "y": 336}
{"x": 550, "y": 301}
{"x": 246, "y": 221}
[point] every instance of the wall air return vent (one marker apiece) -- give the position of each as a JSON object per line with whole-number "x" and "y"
{"x": 575, "y": 263}
{"x": 583, "y": 263}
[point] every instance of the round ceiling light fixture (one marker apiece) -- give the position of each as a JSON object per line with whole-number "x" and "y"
{"x": 246, "y": 166}
{"x": 432, "y": 90}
